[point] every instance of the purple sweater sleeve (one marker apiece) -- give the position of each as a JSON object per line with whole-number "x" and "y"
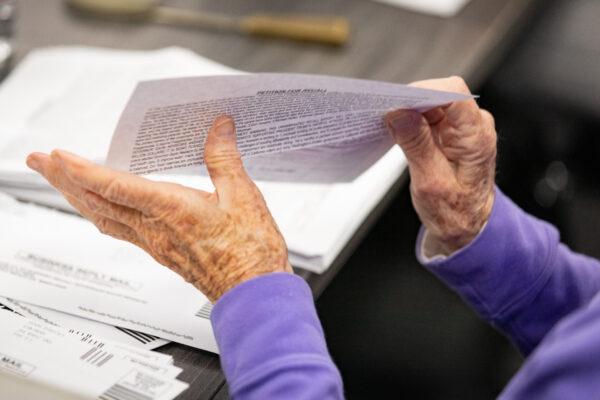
{"x": 271, "y": 341}
{"x": 566, "y": 364}
{"x": 518, "y": 276}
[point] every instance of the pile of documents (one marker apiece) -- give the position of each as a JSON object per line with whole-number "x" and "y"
{"x": 60, "y": 262}
{"x": 50, "y": 363}
{"x": 316, "y": 145}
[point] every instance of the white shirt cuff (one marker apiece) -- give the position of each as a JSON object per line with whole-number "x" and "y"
{"x": 430, "y": 250}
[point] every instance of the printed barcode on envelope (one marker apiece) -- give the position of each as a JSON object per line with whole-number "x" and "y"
{"x": 96, "y": 356}
{"x": 205, "y": 311}
{"x": 119, "y": 392}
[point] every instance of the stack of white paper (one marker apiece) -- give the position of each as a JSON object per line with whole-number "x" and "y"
{"x": 40, "y": 362}
{"x": 82, "y": 326}
{"x": 59, "y": 261}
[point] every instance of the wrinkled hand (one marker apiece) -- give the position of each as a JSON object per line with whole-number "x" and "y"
{"x": 451, "y": 154}
{"x": 213, "y": 240}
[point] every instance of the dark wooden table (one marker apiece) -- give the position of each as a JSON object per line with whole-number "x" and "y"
{"x": 386, "y": 44}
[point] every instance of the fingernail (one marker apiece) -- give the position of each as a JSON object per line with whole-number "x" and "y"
{"x": 225, "y": 129}
{"x": 33, "y": 163}
{"x": 402, "y": 121}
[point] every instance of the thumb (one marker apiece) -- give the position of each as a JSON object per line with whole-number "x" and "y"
{"x": 412, "y": 133}
{"x": 222, "y": 158}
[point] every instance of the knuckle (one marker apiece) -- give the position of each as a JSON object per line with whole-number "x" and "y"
{"x": 227, "y": 167}
{"x": 171, "y": 197}
{"x": 222, "y": 119}
{"x": 171, "y": 203}
{"x": 471, "y": 119}
{"x": 224, "y": 158}
{"x": 126, "y": 216}
{"x": 488, "y": 118}
{"x": 170, "y": 213}
{"x": 113, "y": 189}
{"x": 428, "y": 188}
{"x": 456, "y": 79}
{"x": 91, "y": 202}
{"x": 415, "y": 143}
{"x": 459, "y": 83}
{"x": 488, "y": 139}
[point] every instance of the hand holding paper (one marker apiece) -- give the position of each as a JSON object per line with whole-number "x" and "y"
{"x": 226, "y": 236}
{"x": 214, "y": 240}
{"x": 218, "y": 240}
{"x": 451, "y": 154}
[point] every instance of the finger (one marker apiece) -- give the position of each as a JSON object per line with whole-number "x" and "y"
{"x": 448, "y": 127}
{"x": 93, "y": 202}
{"x": 114, "y": 228}
{"x": 488, "y": 119}
{"x": 37, "y": 161}
{"x": 435, "y": 116}
{"x": 122, "y": 214}
{"x": 479, "y": 164}
{"x": 223, "y": 160}
{"x": 105, "y": 225}
{"x": 413, "y": 134}
{"x": 459, "y": 132}
{"x": 118, "y": 187}
{"x": 462, "y": 113}
{"x": 453, "y": 84}
{"x": 51, "y": 171}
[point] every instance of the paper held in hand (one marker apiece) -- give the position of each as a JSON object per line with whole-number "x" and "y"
{"x": 165, "y": 123}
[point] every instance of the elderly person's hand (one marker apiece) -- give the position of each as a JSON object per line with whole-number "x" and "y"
{"x": 213, "y": 240}
{"x": 451, "y": 154}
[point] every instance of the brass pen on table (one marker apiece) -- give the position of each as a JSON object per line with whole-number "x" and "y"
{"x": 330, "y": 30}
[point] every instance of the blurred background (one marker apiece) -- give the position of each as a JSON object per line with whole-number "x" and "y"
{"x": 393, "y": 329}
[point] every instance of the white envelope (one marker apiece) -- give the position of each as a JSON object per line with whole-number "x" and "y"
{"x": 61, "y": 261}
{"x": 32, "y": 352}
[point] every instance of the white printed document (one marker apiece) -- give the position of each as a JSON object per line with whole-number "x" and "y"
{"x": 61, "y": 261}
{"x": 42, "y": 362}
{"x": 82, "y": 327}
{"x": 164, "y": 125}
